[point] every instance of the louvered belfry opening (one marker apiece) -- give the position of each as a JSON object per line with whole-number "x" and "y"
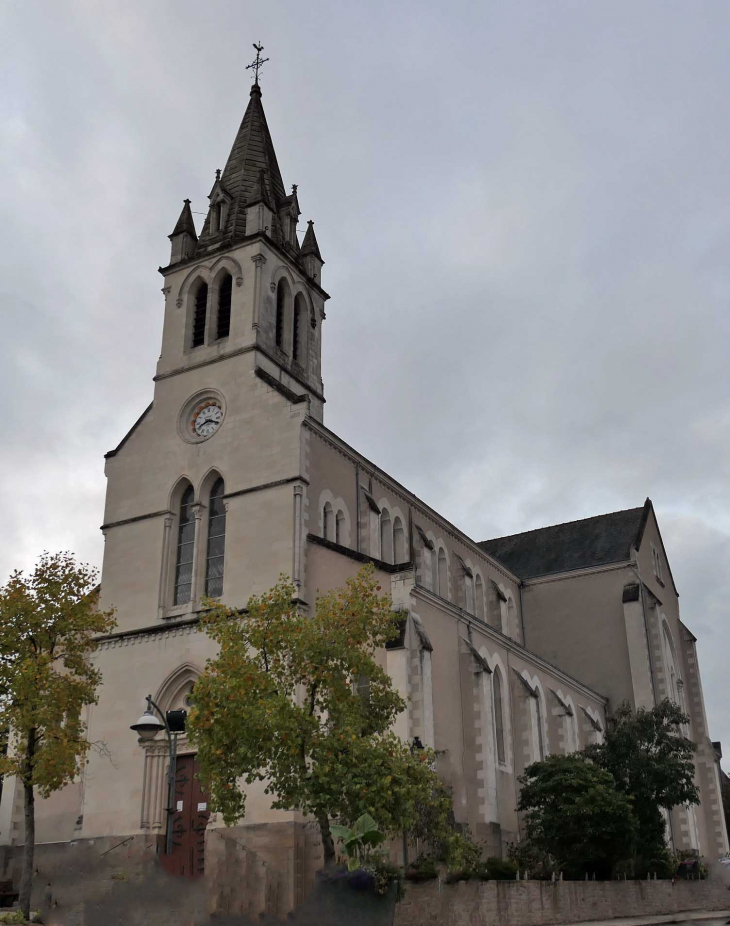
{"x": 201, "y": 308}
{"x": 216, "y": 541}
{"x": 224, "y": 307}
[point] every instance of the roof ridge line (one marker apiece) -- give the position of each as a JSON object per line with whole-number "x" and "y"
{"x": 546, "y": 527}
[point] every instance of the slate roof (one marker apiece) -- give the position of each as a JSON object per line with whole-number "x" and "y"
{"x": 309, "y": 245}
{"x": 597, "y": 541}
{"x": 252, "y": 158}
{"x": 185, "y": 223}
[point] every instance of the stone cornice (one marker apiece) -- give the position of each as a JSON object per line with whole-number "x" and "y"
{"x": 148, "y": 634}
{"x": 577, "y": 573}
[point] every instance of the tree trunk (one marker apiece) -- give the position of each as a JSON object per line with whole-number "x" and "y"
{"x": 26, "y": 881}
{"x": 328, "y": 843}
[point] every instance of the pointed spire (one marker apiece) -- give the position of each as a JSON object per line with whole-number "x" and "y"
{"x": 252, "y": 153}
{"x": 185, "y": 223}
{"x": 309, "y": 245}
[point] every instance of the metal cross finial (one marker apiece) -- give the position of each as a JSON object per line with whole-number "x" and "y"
{"x": 258, "y": 63}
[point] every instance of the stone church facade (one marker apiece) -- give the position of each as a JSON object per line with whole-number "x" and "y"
{"x": 511, "y": 649}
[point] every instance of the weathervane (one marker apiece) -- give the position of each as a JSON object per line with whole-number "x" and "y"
{"x": 258, "y": 63}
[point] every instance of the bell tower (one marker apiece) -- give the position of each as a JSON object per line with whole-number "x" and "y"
{"x": 206, "y": 493}
{"x": 245, "y": 283}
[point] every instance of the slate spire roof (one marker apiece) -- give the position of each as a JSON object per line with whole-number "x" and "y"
{"x": 252, "y": 161}
{"x": 185, "y": 223}
{"x": 309, "y": 245}
{"x": 607, "y": 538}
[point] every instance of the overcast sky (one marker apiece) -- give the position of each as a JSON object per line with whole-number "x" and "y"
{"x": 524, "y": 209}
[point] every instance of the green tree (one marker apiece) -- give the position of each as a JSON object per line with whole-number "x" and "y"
{"x": 302, "y": 703}
{"x": 574, "y": 814}
{"x": 48, "y": 621}
{"x": 652, "y": 762}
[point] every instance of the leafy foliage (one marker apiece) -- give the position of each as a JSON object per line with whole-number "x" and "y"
{"x": 280, "y": 704}
{"x": 48, "y": 621}
{"x": 652, "y": 763}
{"x": 574, "y": 814}
{"x": 359, "y": 840}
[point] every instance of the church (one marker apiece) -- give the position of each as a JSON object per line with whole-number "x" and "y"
{"x": 512, "y": 648}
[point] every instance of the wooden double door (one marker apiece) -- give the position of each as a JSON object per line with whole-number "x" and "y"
{"x": 189, "y": 822}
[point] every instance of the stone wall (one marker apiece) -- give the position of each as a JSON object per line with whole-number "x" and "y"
{"x": 540, "y": 903}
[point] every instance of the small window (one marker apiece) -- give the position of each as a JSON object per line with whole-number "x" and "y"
{"x": 340, "y": 527}
{"x": 434, "y": 571}
{"x": 498, "y": 713}
{"x": 443, "y": 574}
{"x": 399, "y": 541}
{"x": 479, "y": 597}
{"x": 199, "y": 314}
{"x": 363, "y": 687}
{"x": 224, "y": 307}
{"x": 328, "y": 522}
{"x": 386, "y": 537}
{"x": 185, "y": 549}
{"x": 216, "y": 541}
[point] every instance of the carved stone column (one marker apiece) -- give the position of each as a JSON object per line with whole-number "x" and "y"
{"x": 164, "y": 567}
{"x": 259, "y": 260}
{"x": 198, "y": 565}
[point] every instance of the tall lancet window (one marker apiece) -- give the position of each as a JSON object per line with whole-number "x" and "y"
{"x": 224, "y": 307}
{"x": 298, "y": 329}
{"x": 185, "y": 548}
{"x": 216, "y": 541}
{"x": 199, "y": 313}
{"x": 498, "y": 713}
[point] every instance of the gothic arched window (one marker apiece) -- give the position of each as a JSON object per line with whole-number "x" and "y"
{"x": 498, "y": 713}
{"x": 282, "y": 292}
{"x": 216, "y": 540}
{"x": 298, "y": 330}
{"x": 399, "y": 541}
{"x": 386, "y": 536}
{"x": 185, "y": 548}
{"x": 199, "y": 313}
{"x": 224, "y": 307}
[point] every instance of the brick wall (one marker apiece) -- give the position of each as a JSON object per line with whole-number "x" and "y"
{"x": 540, "y": 903}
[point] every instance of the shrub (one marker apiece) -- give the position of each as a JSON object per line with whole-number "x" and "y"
{"x": 500, "y": 869}
{"x": 423, "y": 869}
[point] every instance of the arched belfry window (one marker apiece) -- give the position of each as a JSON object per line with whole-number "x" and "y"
{"x": 224, "y": 307}
{"x": 282, "y": 293}
{"x": 199, "y": 313}
{"x": 216, "y": 540}
{"x": 298, "y": 329}
{"x": 185, "y": 548}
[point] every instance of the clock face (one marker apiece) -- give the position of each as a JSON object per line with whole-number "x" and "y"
{"x": 206, "y": 418}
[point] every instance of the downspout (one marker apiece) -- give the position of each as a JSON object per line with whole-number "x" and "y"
{"x": 357, "y": 502}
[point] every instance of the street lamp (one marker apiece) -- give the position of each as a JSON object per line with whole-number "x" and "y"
{"x": 147, "y": 727}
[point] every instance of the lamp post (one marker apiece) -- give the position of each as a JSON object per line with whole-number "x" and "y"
{"x": 148, "y": 726}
